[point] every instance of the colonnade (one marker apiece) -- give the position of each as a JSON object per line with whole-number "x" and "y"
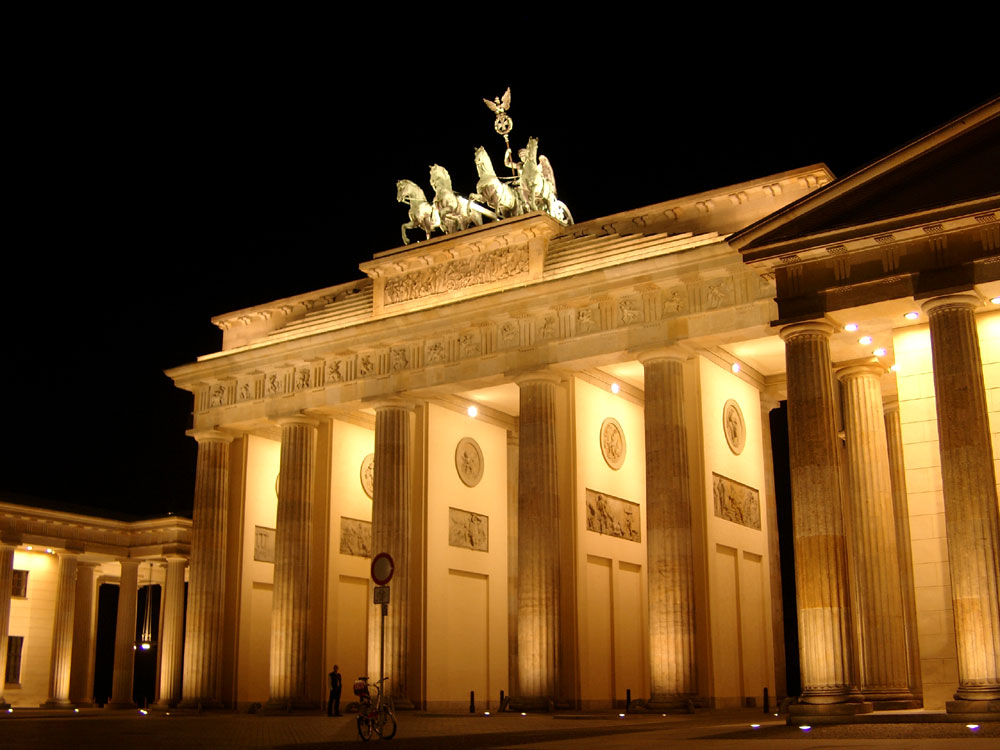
{"x": 854, "y": 578}
{"x": 71, "y": 664}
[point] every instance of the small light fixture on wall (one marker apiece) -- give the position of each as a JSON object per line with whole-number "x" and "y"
{"x": 472, "y": 411}
{"x": 912, "y": 315}
{"x": 865, "y": 340}
{"x": 735, "y": 367}
{"x": 852, "y": 327}
{"x": 615, "y": 387}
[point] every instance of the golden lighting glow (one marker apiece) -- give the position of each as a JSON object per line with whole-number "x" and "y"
{"x": 912, "y": 315}
{"x": 28, "y": 548}
{"x": 973, "y": 727}
{"x": 735, "y": 368}
{"x": 472, "y": 411}
{"x": 615, "y": 387}
{"x": 755, "y": 726}
{"x": 894, "y": 367}
{"x": 995, "y": 300}
{"x": 805, "y": 727}
{"x": 621, "y": 716}
{"x": 880, "y": 352}
{"x": 852, "y": 327}
{"x": 865, "y": 340}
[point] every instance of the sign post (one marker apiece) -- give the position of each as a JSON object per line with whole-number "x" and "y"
{"x": 382, "y": 570}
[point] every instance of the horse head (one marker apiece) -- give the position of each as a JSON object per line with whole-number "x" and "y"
{"x": 440, "y": 179}
{"x": 484, "y": 164}
{"x": 408, "y": 190}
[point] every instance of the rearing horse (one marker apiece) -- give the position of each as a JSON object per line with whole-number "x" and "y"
{"x": 423, "y": 214}
{"x": 493, "y": 191}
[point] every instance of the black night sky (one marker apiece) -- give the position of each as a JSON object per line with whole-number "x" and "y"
{"x": 168, "y": 169}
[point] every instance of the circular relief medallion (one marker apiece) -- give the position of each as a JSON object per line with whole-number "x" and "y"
{"x": 734, "y": 426}
{"x": 613, "y": 443}
{"x": 368, "y": 475}
{"x": 469, "y": 461}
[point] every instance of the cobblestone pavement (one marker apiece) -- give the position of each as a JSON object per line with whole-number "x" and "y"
{"x": 29, "y": 728}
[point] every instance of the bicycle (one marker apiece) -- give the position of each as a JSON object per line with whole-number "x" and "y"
{"x": 378, "y": 715}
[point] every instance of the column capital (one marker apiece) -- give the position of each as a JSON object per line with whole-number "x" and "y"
{"x": 538, "y": 376}
{"x": 809, "y": 327}
{"x": 966, "y": 300}
{"x": 675, "y": 353}
{"x": 297, "y": 419}
{"x": 873, "y": 369}
{"x": 405, "y": 404}
{"x": 176, "y": 558}
{"x": 210, "y": 436}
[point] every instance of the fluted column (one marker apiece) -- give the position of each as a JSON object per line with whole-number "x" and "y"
{"x": 537, "y": 542}
{"x": 512, "y": 462}
{"x": 81, "y": 676}
{"x": 207, "y": 578}
{"x": 290, "y": 608}
{"x": 872, "y": 538}
{"x": 172, "y": 635}
{"x": 128, "y": 592}
{"x": 673, "y": 670}
{"x": 900, "y": 505}
{"x": 391, "y": 533}
{"x": 821, "y": 583}
{"x": 970, "y": 497}
{"x": 62, "y": 631}
{"x": 6, "y": 585}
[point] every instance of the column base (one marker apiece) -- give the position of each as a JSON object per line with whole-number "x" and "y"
{"x": 672, "y": 704}
{"x": 973, "y": 707}
{"x": 800, "y": 711}
{"x": 57, "y": 704}
{"x": 119, "y": 705}
{"x": 205, "y": 704}
{"x": 403, "y": 703}
{"x": 290, "y": 705}
{"x": 533, "y": 703}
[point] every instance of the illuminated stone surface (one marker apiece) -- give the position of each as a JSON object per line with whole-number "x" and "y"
{"x": 290, "y": 608}
{"x": 538, "y": 601}
{"x": 81, "y": 683}
{"x": 206, "y": 588}
{"x": 673, "y": 671}
{"x": 897, "y": 473}
{"x": 970, "y": 494}
{"x": 171, "y": 637}
{"x": 390, "y": 533}
{"x": 872, "y": 533}
{"x": 6, "y": 582}
{"x": 62, "y": 632}
{"x": 821, "y": 582}
{"x": 128, "y": 591}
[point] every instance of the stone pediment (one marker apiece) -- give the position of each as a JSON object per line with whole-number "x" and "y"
{"x": 467, "y": 264}
{"x": 947, "y": 174}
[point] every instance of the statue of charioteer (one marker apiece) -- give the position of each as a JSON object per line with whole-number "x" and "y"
{"x": 531, "y": 187}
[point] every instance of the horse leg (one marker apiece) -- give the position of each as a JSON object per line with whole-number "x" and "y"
{"x": 403, "y": 228}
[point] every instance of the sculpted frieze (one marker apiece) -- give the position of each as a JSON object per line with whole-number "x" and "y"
{"x": 613, "y": 516}
{"x": 629, "y": 312}
{"x": 458, "y": 274}
{"x": 303, "y": 378}
{"x": 675, "y": 301}
{"x": 736, "y": 502}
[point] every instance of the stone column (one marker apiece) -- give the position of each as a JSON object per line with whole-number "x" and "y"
{"x": 207, "y": 583}
{"x": 538, "y": 616}
{"x": 970, "y": 499}
{"x": 821, "y": 583}
{"x": 872, "y": 537}
{"x": 512, "y": 462}
{"x": 290, "y": 608}
{"x": 767, "y": 405}
{"x": 6, "y": 585}
{"x": 390, "y": 533}
{"x": 81, "y": 676}
{"x": 900, "y": 505}
{"x": 172, "y": 633}
{"x": 62, "y": 632}
{"x": 673, "y": 670}
{"x": 128, "y": 594}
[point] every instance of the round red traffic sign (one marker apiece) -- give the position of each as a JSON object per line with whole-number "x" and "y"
{"x": 382, "y": 568}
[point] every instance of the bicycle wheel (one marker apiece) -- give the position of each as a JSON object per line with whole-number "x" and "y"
{"x": 364, "y": 727}
{"x": 386, "y": 723}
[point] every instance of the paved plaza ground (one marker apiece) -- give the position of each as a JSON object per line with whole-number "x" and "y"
{"x": 705, "y": 730}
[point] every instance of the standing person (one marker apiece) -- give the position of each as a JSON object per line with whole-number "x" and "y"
{"x": 333, "y": 706}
